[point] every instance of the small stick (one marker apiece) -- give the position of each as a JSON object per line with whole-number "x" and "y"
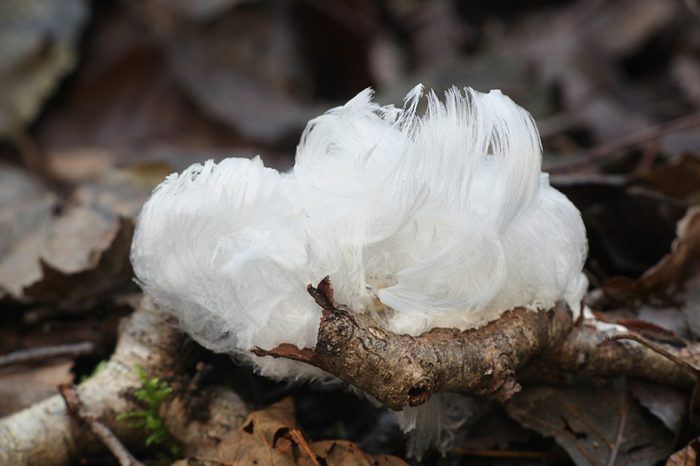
{"x": 304, "y": 445}
{"x": 655, "y": 348}
{"x": 77, "y": 408}
{"x": 46, "y": 352}
{"x": 649, "y": 134}
{"x": 620, "y": 437}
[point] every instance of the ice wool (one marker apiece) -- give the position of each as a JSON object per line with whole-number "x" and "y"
{"x": 438, "y": 219}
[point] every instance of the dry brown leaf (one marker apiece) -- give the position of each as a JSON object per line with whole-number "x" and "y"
{"x": 72, "y": 256}
{"x": 245, "y": 71}
{"x": 687, "y": 456}
{"x": 670, "y": 274}
{"x": 681, "y": 263}
{"x": 343, "y": 452}
{"x": 596, "y": 425}
{"x": 680, "y": 178}
{"x": 270, "y": 436}
{"x": 108, "y": 270}
{"x": 224, "y": 414}
{"x": 124, "y": 108}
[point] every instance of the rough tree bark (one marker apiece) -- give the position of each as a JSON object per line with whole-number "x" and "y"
{"x": 401, "y": 370}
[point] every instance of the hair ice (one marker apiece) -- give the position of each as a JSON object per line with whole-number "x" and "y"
{"x": 435, "y": 220}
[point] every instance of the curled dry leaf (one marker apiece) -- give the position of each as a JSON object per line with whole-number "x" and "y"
{"x": 270, "y": 436}
{"x": 72, "y": 254}
{"x": 687, "y": 456}
{"x": 679, "y": 178}
{"x": 670, "y": 274}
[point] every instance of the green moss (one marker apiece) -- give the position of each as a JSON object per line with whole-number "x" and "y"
{"x": 152, "y": 393}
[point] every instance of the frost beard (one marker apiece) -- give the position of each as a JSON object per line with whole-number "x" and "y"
{"x": 439, "y": 220}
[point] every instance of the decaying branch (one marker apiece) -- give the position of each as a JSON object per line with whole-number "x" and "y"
{"x": 589, "y": 352}
{"x": 398, "y": 370}
{"x": 401, "y": 370}
{"x": 46, "y": 352}
{"x": 47, "y": 434}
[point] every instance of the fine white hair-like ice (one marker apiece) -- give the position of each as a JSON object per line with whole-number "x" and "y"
{"x": 435, "y": 220}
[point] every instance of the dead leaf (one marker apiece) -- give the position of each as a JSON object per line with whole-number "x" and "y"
{"x": 674, "y": 269}
{"x": 668, "y": 404}
{"x": 270, "y": 436}
{"x": 38, "y": 40}
{"x": 616, "y": 214}
{"x": 685, "y": 69}
{"x": 220, "y": 412}
{"x": 691, "y": 305}
{"x": 123, "y": 108}
{"x": 679, "y": 178}
{"x": 596, "y": 425}
{"x": 627, "y": 24}
{"x": 76, "y": 255}
{"x": 109, "y": 270}
{"x": 26, "y": 206}
{"x": 245, "y": 71}
{"x": 343, "y": 452}
{"x": 687, "y": 456}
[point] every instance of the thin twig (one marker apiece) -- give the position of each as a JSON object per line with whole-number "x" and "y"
{"x": 620, "y": 437}
{"x": 77, "y": 408}
{"x": 634, "y": 139}
{"x": 655, "y": 348}
{"x": 46, "y": 352}
{"x": 304, "y": 445}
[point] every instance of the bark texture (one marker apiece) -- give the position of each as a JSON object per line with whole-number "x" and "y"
{"x": 589, "y": 352}
{"x": 401, "y": 370}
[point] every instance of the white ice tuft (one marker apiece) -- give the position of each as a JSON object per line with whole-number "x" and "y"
{"x": 439, "y": 220}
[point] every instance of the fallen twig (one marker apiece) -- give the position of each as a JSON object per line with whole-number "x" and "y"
{"x": 646, "y": 135}
{"x": 304, "y": 445}
{"x": 620, "y": 436}
{"x": 46, "y": 352}
{"x": 101, "y": 431}
{"x": 657, "y": 349}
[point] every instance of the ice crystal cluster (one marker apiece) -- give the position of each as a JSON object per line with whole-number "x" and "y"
{"x": 437, "y": 219}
